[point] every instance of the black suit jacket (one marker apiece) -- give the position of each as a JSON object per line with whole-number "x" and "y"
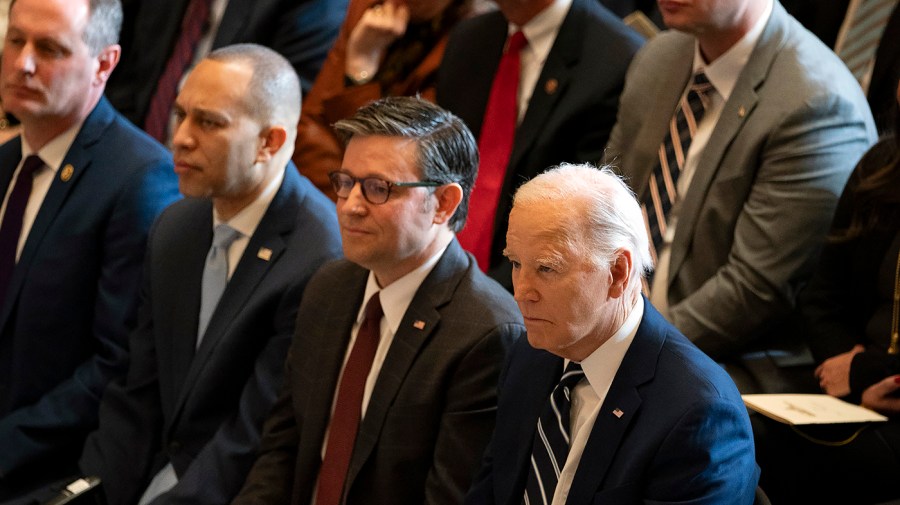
{"x": 882, "y": 93}
{"x": 203, "y": 410}
{"x": 572, "y": 109}
{"x": 432, "y": 408}
{"x": 300, "y": 30}
{"x": 672, "y": 428}
{"x": 73, "y": 295}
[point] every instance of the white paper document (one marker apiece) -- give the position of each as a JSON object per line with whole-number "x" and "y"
{"x": 810, "y": 409}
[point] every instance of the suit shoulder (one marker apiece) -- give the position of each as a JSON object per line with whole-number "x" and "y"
{"x": 485, "y": 300}
{"x": 142, "y": 149}
{"x": 698, "y": 376}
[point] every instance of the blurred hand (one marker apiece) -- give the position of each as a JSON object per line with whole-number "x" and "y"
{"x": 879, "y": 396}
{"x": 834, "y": 372}
{"x": 379, "y": 26}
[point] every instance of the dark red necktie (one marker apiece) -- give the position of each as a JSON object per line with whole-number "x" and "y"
{"x": 495, "y": 145}
{"x": 11, "y": 228}
{"x": 348, "y": 408}
{"x": 157, "y": 121}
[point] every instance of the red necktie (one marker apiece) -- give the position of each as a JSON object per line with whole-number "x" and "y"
{"x": 495, "y": 145}
{"x": 347, "y": 410}
{"x": 157, "y": 120}
{"x": 11, "y": 228}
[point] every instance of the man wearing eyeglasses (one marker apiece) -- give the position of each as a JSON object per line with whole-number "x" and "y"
{"x": 390, "y": 382}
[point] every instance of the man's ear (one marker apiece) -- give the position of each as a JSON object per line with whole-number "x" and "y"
{"x": 107, "y": 61}
{"x": 448, "y": 198}
{"x": 620, "y": 270}
{"x": 270, "y": 141}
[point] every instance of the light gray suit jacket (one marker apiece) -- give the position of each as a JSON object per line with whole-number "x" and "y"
{"x": 766, "y": 184}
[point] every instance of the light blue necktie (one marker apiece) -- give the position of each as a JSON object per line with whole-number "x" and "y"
{"x": 215, "y": 275}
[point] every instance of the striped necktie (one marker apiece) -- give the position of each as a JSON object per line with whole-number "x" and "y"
{"x": 662, "y": 194}
{"x": 551, "y": 440}
{"x": 859, "y": 41}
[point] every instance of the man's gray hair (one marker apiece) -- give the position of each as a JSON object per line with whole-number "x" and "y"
{"x": 103, "y": 26}
{"x": 609, "y": 218}
{"x": 446, "y": 150}
{"x": 273, "y": 94}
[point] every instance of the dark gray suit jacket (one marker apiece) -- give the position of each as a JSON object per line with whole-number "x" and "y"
{"x": 766, "y": 184}
{"x": 573, "y": 107}
{"x": 203, "y": 409}
{"x": 432, "y": 409}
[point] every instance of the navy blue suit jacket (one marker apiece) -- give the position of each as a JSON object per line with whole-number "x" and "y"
{"x": 203, "y": 410}
{"x": 573, "y": 107}
{"x": 73, "y": 295}
{"x": 684, "y": 436}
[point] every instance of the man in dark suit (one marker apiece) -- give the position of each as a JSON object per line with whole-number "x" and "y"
{"x": 185, "y": 424}
{"x": 81, "y": 187}
{"x": 572, "y": 71}
{"x": 742, "y": 207}
{"x": 609, "y": 403}
{"x": 301, "y": 31}
{"x": 390, "y": 382}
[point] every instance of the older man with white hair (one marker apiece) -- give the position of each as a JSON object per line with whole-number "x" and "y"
{"x": 606, "y": 402}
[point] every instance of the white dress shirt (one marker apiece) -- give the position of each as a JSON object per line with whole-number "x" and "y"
{"x": 723, "y": 74}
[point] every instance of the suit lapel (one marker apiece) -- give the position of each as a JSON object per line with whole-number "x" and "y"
{"x": 79, "y": 159}
{"x": 235, "y": 18}
{"x": 736, "y": 111}
{"x": 263, "y": 251}
{"x": 665, "y": 94}
{"x": 418, "y": 324}
{"x": 188, "y": 278}
{"x": 552, "y": 83}
{"x": 619, "y": 408}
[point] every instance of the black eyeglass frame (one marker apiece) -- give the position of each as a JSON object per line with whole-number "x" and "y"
{"x": 332, "y": 177}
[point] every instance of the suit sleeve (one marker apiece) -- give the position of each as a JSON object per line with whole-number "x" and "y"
{"x": 468, "y": 420}
{"x": 215, "y": 476}
{"x": 121, "y": 450}
{"x": 271, "y": 477}
{"x": 803, "y": 167}
{"x": 70, "y": 410}
{"x": 708, "y": 458}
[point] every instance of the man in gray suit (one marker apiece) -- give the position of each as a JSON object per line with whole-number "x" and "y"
{"x": 763, "y": 150}
{"x": 390, "y": 383}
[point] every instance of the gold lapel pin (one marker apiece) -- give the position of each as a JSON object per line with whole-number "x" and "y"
{"x": 742, "y": 111}
{"x": 551, "y": 86}
{"x": 66, "y": 172}
{"x": 618, "y": 413}
{"x": 419, "y": 325}
{"x": 264, "y": 254}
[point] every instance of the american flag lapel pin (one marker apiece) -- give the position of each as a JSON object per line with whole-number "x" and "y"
{"x": 419, "y": 324}
{"x": 618, "y": 413}
{"x": 264, "y": 254}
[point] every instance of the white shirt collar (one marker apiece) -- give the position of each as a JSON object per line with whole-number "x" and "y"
{"x": 54, "y": 152}
{"x": 601, "y": 366}
{"x": 397, "y": 296}
{"x": 723, "y": 72}
{"x": 249, "y": 217}
{"x": 541, "y": 30}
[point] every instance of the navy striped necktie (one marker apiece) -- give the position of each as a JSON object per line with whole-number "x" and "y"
{"x": 551, "y": 440}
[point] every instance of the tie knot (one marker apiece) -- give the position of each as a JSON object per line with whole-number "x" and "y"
{"x": 516, "y": 42}
{"x": 701, "y": 84}
{"x": 373, "y": 308}
{"x": 224, "y": 235}
{"x": 571, "y": 376}
{"x": 31, "y": 165}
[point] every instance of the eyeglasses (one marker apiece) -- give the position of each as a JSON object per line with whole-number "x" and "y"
{"x": 375, "y": 190}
